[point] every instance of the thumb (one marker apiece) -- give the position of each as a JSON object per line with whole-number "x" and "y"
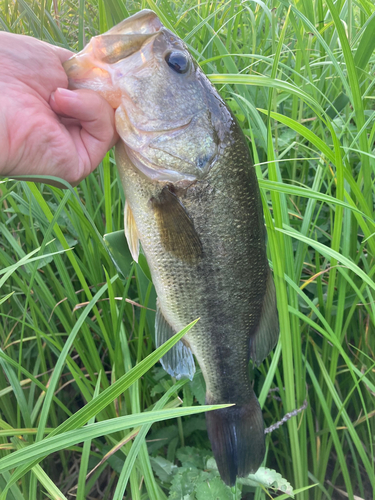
{"x": 97, "y": 133}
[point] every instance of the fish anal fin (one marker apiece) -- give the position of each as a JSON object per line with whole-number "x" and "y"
{"x": 177, "y": 232}
{"x": 237, "y": 438}
{"x": 267, "y": 333}
{"x": 131, "y": 232}
{"x": 179, "y": 360}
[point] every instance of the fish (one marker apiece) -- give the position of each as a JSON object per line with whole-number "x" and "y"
{"x": 193, "y": 207}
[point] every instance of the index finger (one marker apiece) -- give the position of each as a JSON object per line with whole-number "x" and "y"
{"x": 63, "y": 54}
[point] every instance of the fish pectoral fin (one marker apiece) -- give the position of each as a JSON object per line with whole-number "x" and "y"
{"x": 131, "y": 232}
{"x": 177, "y": 231}
{"x": 267, "y": 333}
{"x": 178, "y": 361}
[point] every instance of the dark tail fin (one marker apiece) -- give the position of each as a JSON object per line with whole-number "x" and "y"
{"x": 237, "y": 439}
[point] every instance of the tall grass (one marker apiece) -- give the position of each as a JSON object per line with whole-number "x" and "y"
{"x": 299, "y": 76}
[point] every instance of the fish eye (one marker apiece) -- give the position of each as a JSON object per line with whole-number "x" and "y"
{"x": 178, "y": 61}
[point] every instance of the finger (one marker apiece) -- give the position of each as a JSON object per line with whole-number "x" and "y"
{"x": 96, "y": 133}
{"x": 64, "y": 54}
{"x": 93, "y": 112}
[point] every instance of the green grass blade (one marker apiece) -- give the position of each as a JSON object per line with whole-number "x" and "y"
{"x": 91, "y": 431}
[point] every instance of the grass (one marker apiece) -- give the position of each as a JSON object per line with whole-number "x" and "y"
{"x": 299, "y": 78}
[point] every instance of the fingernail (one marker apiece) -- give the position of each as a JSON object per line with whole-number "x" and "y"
{"x": 66, "y": 93}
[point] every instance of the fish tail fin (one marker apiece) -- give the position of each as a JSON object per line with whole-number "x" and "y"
{"x": 237, "y": 438}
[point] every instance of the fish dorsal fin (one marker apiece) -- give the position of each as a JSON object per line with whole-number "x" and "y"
{"x": 176, "y": 228}
{"x": 131, "y": 232}
{"x": 178, "y": 361}
{"x": 267, "y": 333}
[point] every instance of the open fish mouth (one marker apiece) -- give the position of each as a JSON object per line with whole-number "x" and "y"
{"x": 120, "y": 42}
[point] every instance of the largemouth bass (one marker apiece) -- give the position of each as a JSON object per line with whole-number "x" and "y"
{"x": 193, "y": 202}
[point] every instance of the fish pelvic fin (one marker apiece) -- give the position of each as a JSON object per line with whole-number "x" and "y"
{"x": 237, "y": 438}
{"x": 179, "y": 360}
{"x": 267, "y": 333}
{"x": 131, "y": 232}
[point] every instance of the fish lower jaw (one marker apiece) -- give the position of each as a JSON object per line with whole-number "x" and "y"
{"x": 156, "y": 173}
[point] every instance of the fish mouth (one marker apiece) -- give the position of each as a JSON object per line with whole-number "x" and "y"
{"x": 155, "y": 173}
{"x": 123, "y": 40}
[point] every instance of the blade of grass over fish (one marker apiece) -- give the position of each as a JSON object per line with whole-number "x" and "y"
{"x": 91, "y": 431}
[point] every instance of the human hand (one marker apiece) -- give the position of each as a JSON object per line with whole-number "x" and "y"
{"x": 46, "y": 129}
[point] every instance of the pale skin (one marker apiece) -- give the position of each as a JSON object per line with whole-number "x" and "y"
{"x": 46, "y": 129}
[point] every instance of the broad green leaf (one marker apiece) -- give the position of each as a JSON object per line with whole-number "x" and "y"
{"x": 268, "y": 478}
{"x": 119, "y": 252}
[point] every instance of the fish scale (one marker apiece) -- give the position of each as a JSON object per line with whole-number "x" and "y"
{"x": 193, "y": 202}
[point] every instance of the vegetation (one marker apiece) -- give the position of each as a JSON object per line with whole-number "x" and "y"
{"x": 76, "y": 338}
